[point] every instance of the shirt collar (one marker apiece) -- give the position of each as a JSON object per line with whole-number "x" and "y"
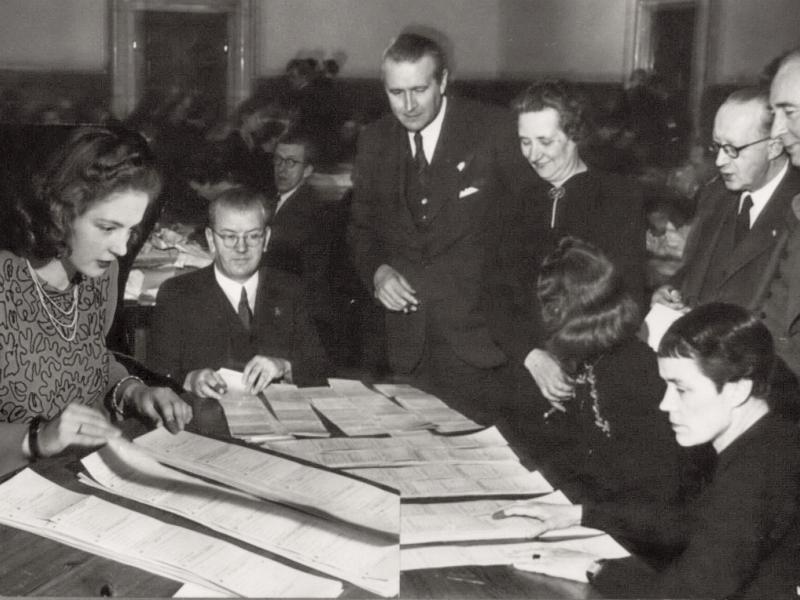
{"x": 282, "y": 198}
{"x": 233, "y": 289}
{"x": 762, "y": 195}
{"x": 431, "y": 132}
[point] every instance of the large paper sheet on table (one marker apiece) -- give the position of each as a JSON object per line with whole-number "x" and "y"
{"x": 472, "y": 520}
{"x": 364, "y": 558}
{"x": 411, "y": 449}
{"x": 277, "y": 478}
{"x": 30, "y": 502}
{"x": 428, "y": 407}
{"x": 442, "y": 480}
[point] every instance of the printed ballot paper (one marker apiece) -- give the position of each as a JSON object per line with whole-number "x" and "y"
{"x": 30, "y": 502}
{"x": 364, "y": 558}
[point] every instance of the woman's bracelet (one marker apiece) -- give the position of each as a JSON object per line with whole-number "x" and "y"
{"x": 117, "y": 401}
{"x": 33, "y": 437}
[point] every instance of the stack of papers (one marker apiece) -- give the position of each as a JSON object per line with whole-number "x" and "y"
{"x": 371, "y": 414}
{"x": 412, "y": 449}
{"x": 442, "y": 480}
{"x": 293, "y": 408}
{"x": 276, "y": 478}
{"x": 428, "y": 407}
{"x": 32, "y": 503}
{"x": 472, "y": 520}
{"x": 464, "y": 527}
{"x": 247, "y": 417}
{"x": 364, "y": 558}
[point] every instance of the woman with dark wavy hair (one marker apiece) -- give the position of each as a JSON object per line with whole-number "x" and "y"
{"x": 608, "y": 440}
{"x": 58, "y": 288}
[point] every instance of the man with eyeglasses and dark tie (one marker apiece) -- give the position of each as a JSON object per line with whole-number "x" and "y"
{"x": 740, "y": 214}
{"x": 233, "y": 314}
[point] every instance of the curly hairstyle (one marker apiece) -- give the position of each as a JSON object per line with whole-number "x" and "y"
{"x": 727, "y": 343}
{"x": 584, "y": 305}
{"x": 561, "y": 97}
{"x": 94, "y": 163}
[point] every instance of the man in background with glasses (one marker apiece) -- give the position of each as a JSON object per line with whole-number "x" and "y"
{"x": 740, "y": 214}
{"x": 234, "y": 313}
{"x": 301, "y": 226}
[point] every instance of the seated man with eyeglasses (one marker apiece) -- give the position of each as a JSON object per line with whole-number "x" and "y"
{"x": 740, "y": 214}
{"x": 234, "y": 313}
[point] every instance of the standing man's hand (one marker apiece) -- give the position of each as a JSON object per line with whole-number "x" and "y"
{"x": 393, "y": 291}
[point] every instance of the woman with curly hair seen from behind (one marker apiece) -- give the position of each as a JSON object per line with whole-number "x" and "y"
{"x": 608, "y": 441}
{"x": 58, "y": 381}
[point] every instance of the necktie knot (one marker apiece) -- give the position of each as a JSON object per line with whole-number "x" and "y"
{"x": 245, "y": 314}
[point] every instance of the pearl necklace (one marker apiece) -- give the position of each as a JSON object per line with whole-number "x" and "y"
{"x": 67, "y": 325}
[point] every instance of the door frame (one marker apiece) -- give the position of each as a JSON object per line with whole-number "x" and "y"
{"x": 127, "y": 51}
{"x": 639, "y": 54}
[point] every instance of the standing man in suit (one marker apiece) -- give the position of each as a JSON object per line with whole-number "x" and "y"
{"x": 741, "y": 214}
{"x": 424, "y": 196}
{"x": 780, "y": 300}
{"x": 234, "y": 314}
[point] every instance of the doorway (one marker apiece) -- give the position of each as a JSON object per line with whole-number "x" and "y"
{"x": 670, "y": 39}
{"x": 187, "y": 54}
{"x": 199, "y": 46}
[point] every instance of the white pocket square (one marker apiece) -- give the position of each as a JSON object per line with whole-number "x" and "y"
{"x": 467, "y": 192}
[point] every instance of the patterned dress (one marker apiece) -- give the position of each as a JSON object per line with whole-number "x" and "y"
{"x": 41, "y": 372}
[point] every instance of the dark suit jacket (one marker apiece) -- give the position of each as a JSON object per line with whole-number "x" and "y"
{"x": 711, "y": 270}
{"x": 601, "y": 208}
{"x": 300, "y": 244}
{"x": 194, "y": 326}
{"x": 444, "y": 260}
{"x": 783, "y": 269}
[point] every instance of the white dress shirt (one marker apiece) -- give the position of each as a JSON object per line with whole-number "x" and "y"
{"x": 233, "y": 289}
{"x": 762, "y": 195}
{"x": 430, "y": 135}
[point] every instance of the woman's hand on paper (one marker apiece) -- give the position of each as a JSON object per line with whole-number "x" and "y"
{"x": 161, "y": 405}
{"x": 77, "y": 425}
{"x": 552, "y": 516}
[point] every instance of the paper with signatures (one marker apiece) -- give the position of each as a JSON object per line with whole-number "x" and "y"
{"x": 428, "y": 407}
{"x": 276, "y": 478}
{"x": 364, "y": 558}
{"x": 30, "y": 502}
{"x": 444, "y": 480}
{"x": 411, "y": 449}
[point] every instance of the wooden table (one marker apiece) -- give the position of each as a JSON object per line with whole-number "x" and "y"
{"x": 31, "y": 565}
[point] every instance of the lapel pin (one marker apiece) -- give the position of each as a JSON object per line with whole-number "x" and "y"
{"x": 277, "y": 311}
{"x": 460, "y": 166}
{"x": 774, "y": 233}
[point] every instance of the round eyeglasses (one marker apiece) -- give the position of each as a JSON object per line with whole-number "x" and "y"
{"x": 730, "y": 150}
{"x": 279, "y": 161}
{"x": 251, "y": 238}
